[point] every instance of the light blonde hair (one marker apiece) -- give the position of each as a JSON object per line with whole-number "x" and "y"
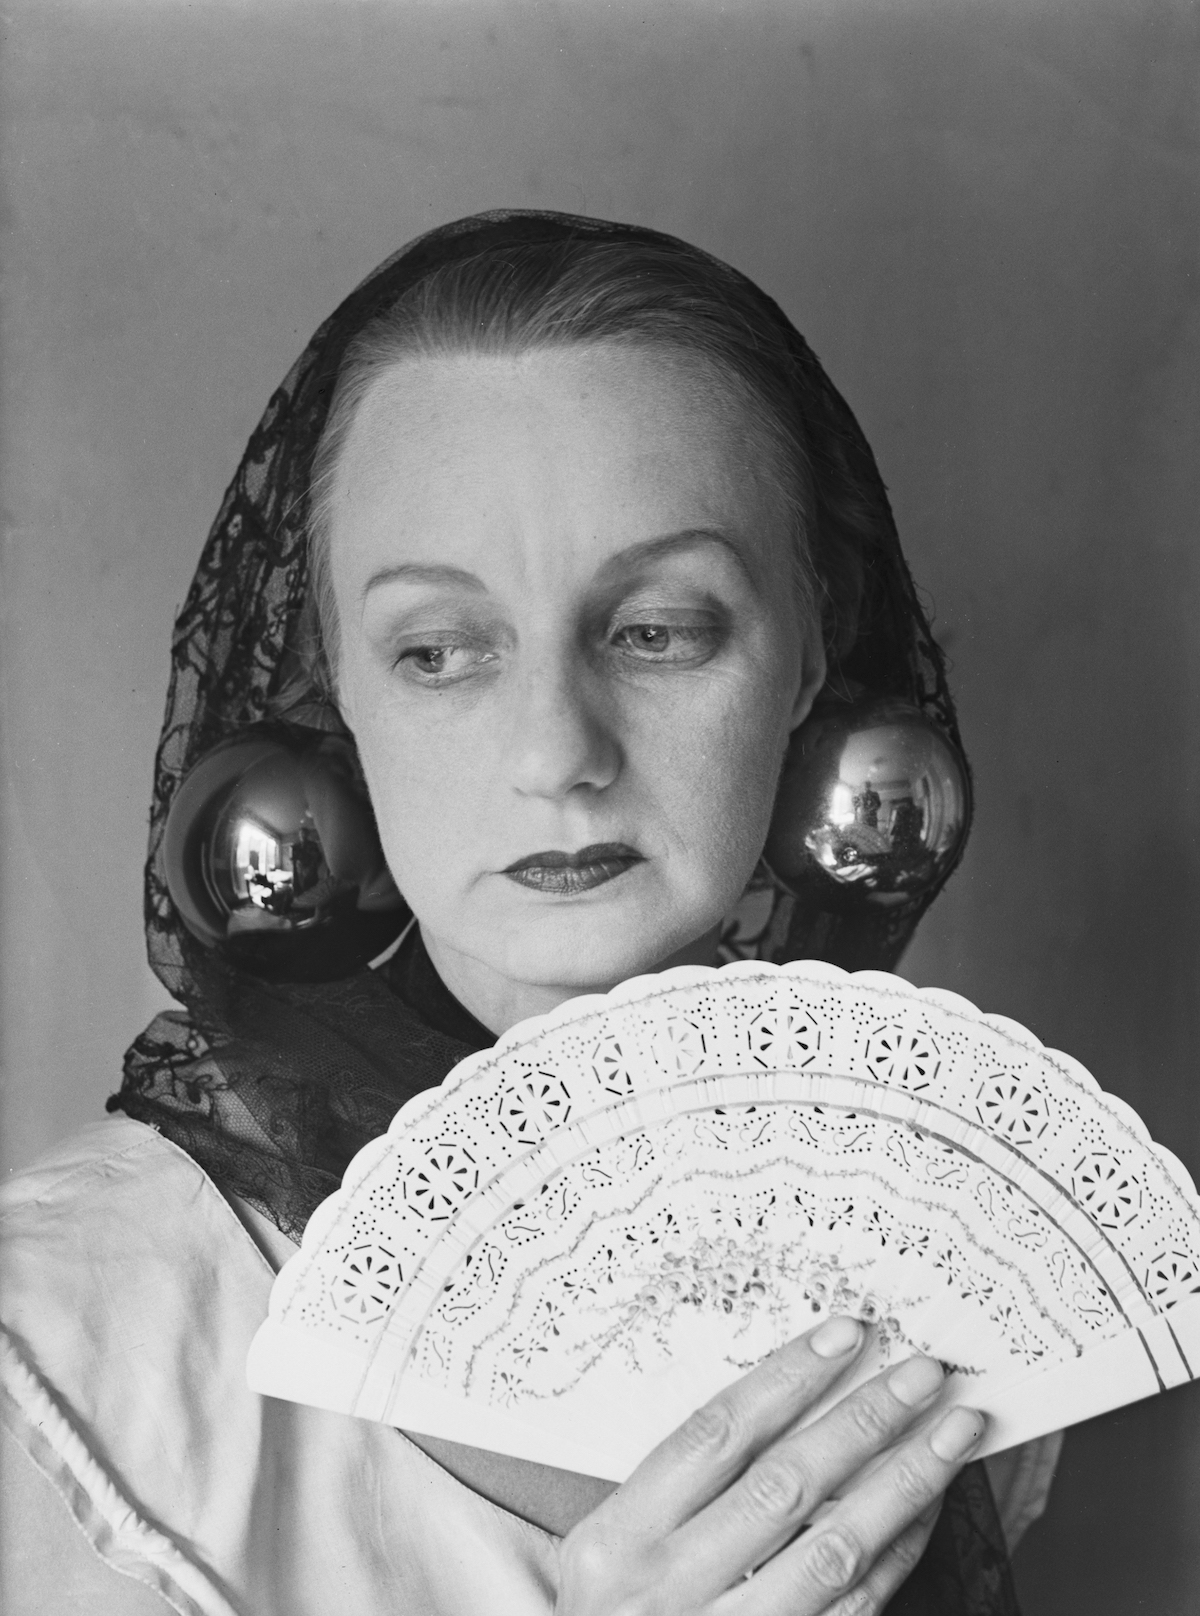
{"x": 514, "y": 300}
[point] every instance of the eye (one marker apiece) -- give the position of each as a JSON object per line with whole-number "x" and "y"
{"x": 667, "y": 642}
{"x": 441, "y": 663}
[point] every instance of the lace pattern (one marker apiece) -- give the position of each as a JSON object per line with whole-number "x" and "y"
{"x": 273, "y": 1090}
{"x": 234, "y": 651}
{"x": 753, "y": 1148}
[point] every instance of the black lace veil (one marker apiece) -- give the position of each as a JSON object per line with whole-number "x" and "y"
{"x": 272, "y": 1087}
{"x": 233, "y": 654}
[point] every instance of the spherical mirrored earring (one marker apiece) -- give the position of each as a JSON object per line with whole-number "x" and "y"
{"x": 872, "y": 812}
{"x": 273, "y": 858}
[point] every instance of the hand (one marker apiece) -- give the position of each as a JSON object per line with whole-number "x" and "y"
{"x": 731, "y": 1489}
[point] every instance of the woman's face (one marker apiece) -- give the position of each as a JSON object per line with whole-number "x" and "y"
{"x": 568, "y": 626}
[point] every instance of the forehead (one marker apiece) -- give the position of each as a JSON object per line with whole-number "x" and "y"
{"x": 606, "y": 441}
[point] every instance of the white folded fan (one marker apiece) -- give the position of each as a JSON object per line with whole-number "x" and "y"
{"x": 588, "y": 1230}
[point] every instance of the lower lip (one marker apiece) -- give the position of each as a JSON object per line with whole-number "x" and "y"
{"x": 567, "y": 880}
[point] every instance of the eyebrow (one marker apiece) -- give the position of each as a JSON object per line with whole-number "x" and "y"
{"x": 647, "y": 550}
{"x": 669, "y": 544}
{"x": 422, "y": 572}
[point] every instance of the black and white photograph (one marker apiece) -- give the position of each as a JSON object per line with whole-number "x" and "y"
{"x": 600, "y": 820}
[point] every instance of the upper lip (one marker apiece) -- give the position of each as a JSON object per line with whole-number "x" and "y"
{"x": 594, "y": 853}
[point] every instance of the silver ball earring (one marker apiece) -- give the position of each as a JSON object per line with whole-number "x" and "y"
{"x": 273, "y": 858}
{"x": 872, "y": 811}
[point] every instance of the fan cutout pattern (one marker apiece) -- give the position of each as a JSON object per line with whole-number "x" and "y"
{"x": 586, "y": 1231}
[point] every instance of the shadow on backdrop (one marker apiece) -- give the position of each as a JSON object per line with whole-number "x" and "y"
{"x": 987, "y": 222}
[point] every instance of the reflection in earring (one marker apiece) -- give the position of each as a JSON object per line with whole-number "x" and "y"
{"x": 273, "y": 858}
{"x": 871, "y": 816}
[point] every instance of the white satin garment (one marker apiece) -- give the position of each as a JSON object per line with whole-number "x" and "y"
{"x": 141, "y": 1474}
{"x": 130, "y": 1293}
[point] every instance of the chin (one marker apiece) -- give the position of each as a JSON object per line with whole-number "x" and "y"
{"x": 589, "y": 948}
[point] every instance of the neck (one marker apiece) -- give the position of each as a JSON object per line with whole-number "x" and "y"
{"x": 499, "y": 1002}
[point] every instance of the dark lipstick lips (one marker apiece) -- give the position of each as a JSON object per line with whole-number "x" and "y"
{"x": 569, "y": 873}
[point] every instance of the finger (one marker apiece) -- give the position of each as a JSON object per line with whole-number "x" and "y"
{"x": 784, "y": 1486}
{"x": 716, "y": 1443}
{"x": 893, "y": 1568}
{"x": 831, "y": 1560}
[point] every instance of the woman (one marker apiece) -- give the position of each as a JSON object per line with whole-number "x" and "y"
{"x": 563, "y": 523}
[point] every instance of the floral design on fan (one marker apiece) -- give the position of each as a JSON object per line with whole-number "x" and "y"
{"x": 740, "y": 1280}
{"x": 1172, "y": 1276}
{"x": 903, "y": 1056}
{"x": 615, "y": 1066}
{"x": 1111, "y": 1194}
{"x": 533, "y": 1106}
{"x": 436, "y": 1186}
{"x": 367, "y": 1284}
{"x": 1014, "y": 1108}
{"x": 784, "y": 1036}
{"x": 681, "y": 1047}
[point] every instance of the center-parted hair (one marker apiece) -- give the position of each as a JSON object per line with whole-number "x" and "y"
{"x": 245, "y": 648}
{"x": 517, "y": 299}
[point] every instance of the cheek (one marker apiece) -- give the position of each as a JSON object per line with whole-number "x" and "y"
{"x": 700, "y": 760}
{"x": 424, "y": 787}
{"x": 416, "y": 774}
{"x": 712, "y": 765}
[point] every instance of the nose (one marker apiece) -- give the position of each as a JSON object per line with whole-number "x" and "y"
{"x": 560, "y": 737}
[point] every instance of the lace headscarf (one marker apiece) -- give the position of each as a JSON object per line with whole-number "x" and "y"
{"x": 272, "y": 1087}
{"x": 233, "y": 656}
{"x": 241, "y": 1078}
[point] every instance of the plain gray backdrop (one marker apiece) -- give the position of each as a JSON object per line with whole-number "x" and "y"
{"x": 985, "y": 215}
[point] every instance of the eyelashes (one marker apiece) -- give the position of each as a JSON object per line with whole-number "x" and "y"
{"x": 451, "y": 656}
{"x": 667, "y": 642}
{"x": 442, "y": 662}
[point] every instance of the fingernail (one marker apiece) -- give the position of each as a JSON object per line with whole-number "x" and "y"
{"x": 836, "y": 1337}
{"x": 915, "y": 1381}
{"x": 955, "y": 1436}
